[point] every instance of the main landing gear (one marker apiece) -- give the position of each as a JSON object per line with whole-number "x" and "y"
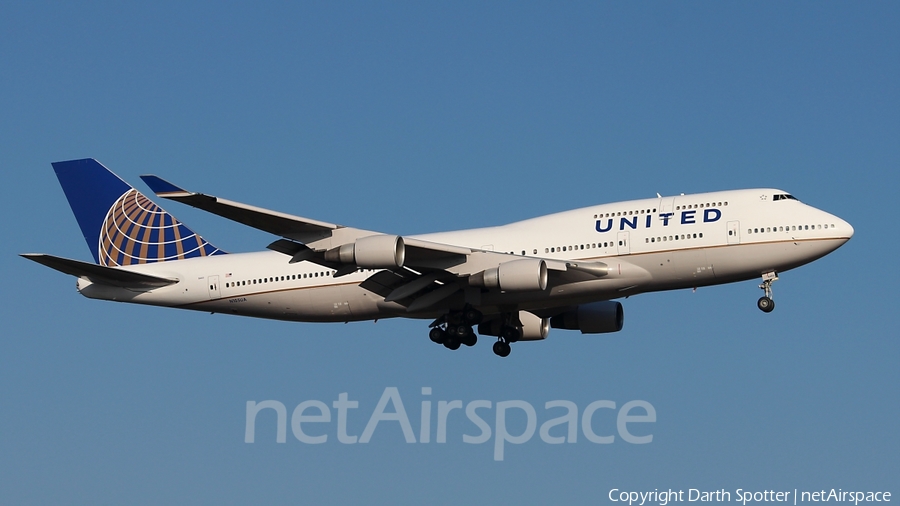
{"x": 508, "y": 334}
{"x": 455, "y": 329}
{"x": 765, "y": 303}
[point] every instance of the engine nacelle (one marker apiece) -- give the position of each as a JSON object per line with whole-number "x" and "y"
{"x": 534, "y": 328}
{"x": 373, "y": 252}
{"x": 527, "y": 274}
{"x": 593, "y": 318}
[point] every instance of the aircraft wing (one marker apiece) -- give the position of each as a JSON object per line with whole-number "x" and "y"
{"x": 286, "y": 225}
{"x": 428, "y": 273}
{"x": 100, "y": 274}
{"x": 419, "y": 253}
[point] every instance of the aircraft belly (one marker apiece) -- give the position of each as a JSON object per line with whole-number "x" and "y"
{"x": 363, "y": 303}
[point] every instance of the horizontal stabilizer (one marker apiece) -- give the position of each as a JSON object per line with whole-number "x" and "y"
{"x": 274, "y": 222}
{"x": 100, "y": 274}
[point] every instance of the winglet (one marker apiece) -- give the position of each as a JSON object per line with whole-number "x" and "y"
{"x": 162, "y": 187}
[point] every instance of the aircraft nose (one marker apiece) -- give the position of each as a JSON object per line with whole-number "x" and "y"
{"x": 843, "y": 229}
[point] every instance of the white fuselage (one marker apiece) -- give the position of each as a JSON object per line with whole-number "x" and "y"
{"x": 650, "y": 245}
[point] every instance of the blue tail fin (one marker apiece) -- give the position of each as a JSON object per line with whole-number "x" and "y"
{"x": 120, "y": 224}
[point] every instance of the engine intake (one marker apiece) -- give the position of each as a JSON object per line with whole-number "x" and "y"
{"x": 594, "y": 318}
{"x": 523, "y": 275}
{"x": 373, "y": 252}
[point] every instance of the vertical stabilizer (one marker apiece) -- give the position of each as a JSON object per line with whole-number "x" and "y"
{"x": 120, "y": 224}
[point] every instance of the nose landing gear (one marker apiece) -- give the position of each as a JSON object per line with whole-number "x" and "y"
{"x": 765, "y": 303}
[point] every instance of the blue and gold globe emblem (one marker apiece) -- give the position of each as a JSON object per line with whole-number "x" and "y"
{"x": 137, "y": 231}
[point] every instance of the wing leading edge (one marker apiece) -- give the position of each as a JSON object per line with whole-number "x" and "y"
{"x": 285, "y": 225}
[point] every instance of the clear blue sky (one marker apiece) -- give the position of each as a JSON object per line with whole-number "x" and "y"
{"x": 418, "y": 117}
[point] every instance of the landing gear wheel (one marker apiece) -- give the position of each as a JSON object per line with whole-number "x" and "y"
{"x": 510, "y": 334}
{"x": 462, "y": 331}
{"x": 501, "y": 349}
{"x": 452, "y": 342}
{"x": 765, "y": 304}
{"x": 473, "y": 316}
{"x": 437, "y": 335}
{"x": 470, "y": 339}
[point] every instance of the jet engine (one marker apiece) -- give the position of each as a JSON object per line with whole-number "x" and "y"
{"x": 593, "y": 318}
{"x": 523, "y": 275}
{"x": 372, "y": 252}
{"x": 534, "y": 328}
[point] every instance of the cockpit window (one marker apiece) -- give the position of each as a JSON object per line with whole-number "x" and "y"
{"x": 784, "y": 196}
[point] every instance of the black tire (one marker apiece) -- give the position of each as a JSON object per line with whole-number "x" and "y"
{"x": 511, "y": 334}
{"x": 473, "y": 316}
{"x": 462, "y": 331}
{"x": 451, "y": 343}
{"x": 765, "y": 304}
{"x": 501, "y": 349}
{"x": 470, "y": 340}
{"x": 437, "y": 335}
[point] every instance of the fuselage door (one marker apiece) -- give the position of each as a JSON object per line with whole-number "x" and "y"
{"x": 213, "y": 282}
{"x": 624, "y": 248}
{"x": 666, "y": 204}
{"x": 734, "y": 232}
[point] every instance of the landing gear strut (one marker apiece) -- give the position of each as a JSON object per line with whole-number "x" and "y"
{"x": 765, "y": 303}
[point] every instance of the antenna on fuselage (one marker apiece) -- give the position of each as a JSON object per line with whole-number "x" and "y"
{"x": 658, "y": 195}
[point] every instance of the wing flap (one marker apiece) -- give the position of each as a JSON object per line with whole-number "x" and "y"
{"x": 100, "y": 274}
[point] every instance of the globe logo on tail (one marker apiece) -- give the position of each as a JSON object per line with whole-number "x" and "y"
{"x": 137, "y": 231}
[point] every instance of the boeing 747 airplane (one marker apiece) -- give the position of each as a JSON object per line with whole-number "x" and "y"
{"x": 513, "y": 282}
